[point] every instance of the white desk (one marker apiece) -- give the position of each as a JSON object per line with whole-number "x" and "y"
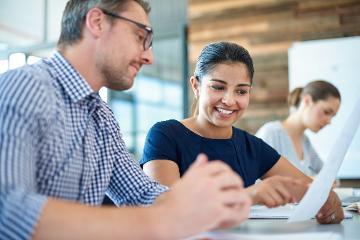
{"x": 348, "y": 229}
{"x": 348, "y": 192}
{"x": 269, "y": 229}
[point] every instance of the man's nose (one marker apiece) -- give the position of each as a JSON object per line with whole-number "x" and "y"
{"x": 147, "y": 57}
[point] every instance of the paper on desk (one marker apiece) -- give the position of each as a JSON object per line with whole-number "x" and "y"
{"x": 228, "y": 235}
{"x": 319, "y": 190}
{"x": 354, "y": 207}
{"x": 282, "y": 212}
{"x": 263, "y": 212}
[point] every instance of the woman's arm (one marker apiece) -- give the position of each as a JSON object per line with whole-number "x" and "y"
{"x": 282, "y": 184}
{"x": 163, "y": 171}
{"x": 273, "y": 191}
{"x": 331, "y": 211}
{"x": 284, "y": 168}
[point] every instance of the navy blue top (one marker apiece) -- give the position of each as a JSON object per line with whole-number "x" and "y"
{"x": 246, "y": 154}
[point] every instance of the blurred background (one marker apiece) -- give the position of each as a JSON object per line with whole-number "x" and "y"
{"x": 291, "y": 42}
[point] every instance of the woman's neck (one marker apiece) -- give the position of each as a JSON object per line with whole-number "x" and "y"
{"x": 205, "y": 129}
{"x": 294, "y": 126}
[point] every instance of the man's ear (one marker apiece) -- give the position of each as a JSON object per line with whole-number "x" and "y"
{"x": 94, "y": 22}
{"x": 195, "y": 85}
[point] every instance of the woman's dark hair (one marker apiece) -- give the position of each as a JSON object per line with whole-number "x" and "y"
{"x": 318, "y": 90}
{"x": 222, "y": 52}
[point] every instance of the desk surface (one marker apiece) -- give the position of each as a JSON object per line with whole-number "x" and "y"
{"x": 349, "y": 229}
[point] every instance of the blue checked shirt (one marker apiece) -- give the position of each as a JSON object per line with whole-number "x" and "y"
{"x": 58, "y": 139}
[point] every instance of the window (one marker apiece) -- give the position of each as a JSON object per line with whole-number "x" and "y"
{"x": 17, "y": 60}
{"x": 32, "y": 59}
{"x": 149, "y": 101}
{"x": 4, "y": 66}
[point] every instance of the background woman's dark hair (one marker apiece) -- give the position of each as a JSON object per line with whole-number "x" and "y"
{"x": 318, "y": 90}
{"x": 222, "y": 52}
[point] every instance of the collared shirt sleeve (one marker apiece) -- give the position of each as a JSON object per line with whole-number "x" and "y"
{"x": 129, "y": 185}
{"x": 20, "y": 205}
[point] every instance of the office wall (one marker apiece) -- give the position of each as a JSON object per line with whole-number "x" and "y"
{"x": 267, "y": 28}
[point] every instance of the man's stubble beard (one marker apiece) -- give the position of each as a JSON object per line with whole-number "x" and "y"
{"x": 114, "y": 78}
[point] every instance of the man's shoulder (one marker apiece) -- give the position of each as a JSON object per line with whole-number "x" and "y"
{"x": 29, "y": 85}
{"x": 26, "y": 77}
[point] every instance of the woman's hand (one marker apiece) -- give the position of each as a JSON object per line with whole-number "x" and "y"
{"x": 331, "y": 211}
{"x": 277, "y": 190}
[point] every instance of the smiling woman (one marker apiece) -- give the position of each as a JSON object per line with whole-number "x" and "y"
{"x": 221, "y": 85}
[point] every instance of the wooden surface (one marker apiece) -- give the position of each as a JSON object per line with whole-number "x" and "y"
{"x": 267, "y": 28}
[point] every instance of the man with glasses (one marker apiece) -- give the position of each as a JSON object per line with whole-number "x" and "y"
{"x": 61, "y": 149}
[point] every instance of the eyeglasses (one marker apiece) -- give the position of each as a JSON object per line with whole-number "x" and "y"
{"x": 149, "y": 31}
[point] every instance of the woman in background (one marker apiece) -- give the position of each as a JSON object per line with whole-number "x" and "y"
{"x": 221, "y": 84}
{"x": 311, "y": 107}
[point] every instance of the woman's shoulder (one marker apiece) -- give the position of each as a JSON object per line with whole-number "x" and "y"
{"x": 254, "y": 144}
{"x": 243, "y": 135}
{"x": 169, "y": 127}
{"x": 167, "y": 123}
{"x": 270, "y": 128}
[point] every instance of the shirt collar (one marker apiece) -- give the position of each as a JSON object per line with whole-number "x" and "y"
{"x": 70, "y": 79}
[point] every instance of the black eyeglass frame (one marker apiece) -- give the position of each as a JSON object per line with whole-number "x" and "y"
{"x": 149, "y": 31}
